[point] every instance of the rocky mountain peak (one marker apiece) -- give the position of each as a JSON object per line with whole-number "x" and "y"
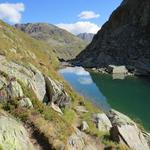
{"x": 86, "y": 36}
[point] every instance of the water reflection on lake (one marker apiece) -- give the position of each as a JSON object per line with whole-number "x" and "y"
{"x": 82, "y": 82}
{"x": 129, "y": 95}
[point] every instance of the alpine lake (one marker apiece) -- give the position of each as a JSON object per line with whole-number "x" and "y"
{"x": 129, "y": 95}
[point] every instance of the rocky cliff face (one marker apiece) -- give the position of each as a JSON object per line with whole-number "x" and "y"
{"x": 66, "y": 45}
{"x": 123, "y": 40}
{"x": 86, "y": 36}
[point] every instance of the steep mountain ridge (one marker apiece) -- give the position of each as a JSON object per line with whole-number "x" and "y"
{"x": 123, "y": 40}
{"x": 66, "y": 45}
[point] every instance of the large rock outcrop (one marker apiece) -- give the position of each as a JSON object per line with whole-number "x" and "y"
{"x": 125, "y": 131}
{"x": 102, "y": 122}
{"x": 56, "y": 93}
{"x": 123, "y": 40}
{"x": 29, "y": 76}
{"x": 11, "y": 90}
{"x": 46, "y": 89}
{"x": 13, "y": 135}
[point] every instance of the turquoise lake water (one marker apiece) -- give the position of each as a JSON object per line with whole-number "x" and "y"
{"x": 130, "y": 95}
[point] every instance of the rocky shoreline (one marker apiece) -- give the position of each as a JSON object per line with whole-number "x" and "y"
{"x": 118, "y": 70}
{"x": 111, "y": 69}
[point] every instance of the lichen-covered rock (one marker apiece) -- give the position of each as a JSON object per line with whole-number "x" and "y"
{"x": 13, "y": 135}
{"x": 3, "y": 82}
{"x": 118, "y": 118}
{"x": 37, "y": 83}
{"x": 56, "y": 108}
{"x": 147, "y": 136}
{"x": 29, "y": 75}
{"x": 125, "y": 131}
{"x": 89, "y": 147}
{"x": 84, "y": 126}
{"x": 45, "y": 89}
{"x": 11, "y": 90}
{"x": 81, "y": 141}
{"x": 3, "y": 95}
{"x": 2, "y": 58}
{"x": 102, "y": 122}
{"x": 14, "y": 90}
{"x": 76, "y": 141}
{"x": 25, "y": 102}
{"x": 56, "y": 93}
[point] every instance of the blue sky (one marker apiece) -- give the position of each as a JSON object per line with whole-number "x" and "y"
{"x": 65, "y": 13}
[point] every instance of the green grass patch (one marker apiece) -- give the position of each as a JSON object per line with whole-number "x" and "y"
{"x": 1, "y": 147}
{"x": 113, "y": 145}
{"x": 69, "y": 115}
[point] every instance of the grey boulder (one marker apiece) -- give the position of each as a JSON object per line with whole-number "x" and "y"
{"x": 13, "y": 135}
{"x": 102, "y": 122}
{"x": 29, "y": 75}
{"x": 14, "y": 90}
{"x": 11, "y": 90}
{"x": 125, "y": 131}
{"x": 81, "y": 141}
{"x": 117, "y": 69}
{"x": 25, "y": 102}
{"x": 84, "y": 126}
{"x": 56, "y": 93}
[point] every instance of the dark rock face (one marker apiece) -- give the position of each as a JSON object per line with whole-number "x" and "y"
{"x": 88, "y": 37}
{"x": 123, "y": 40}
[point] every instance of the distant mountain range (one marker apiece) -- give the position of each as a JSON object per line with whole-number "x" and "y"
{"x": 67, "y": 46}
{"x": 88, "y": 37}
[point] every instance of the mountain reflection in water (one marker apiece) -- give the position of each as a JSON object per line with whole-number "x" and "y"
{"x": 129, "y": 95}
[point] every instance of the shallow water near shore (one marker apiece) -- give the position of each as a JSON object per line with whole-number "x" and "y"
{"x": 129, "y": 95}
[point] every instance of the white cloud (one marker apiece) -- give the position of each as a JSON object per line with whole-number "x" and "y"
{"x": 85, "y": 80}
{"x": 75, "y": 70}
{"x": 88, "y": 15}
{"x": 11, "y": 12}
{"x": 80, "y": 27}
